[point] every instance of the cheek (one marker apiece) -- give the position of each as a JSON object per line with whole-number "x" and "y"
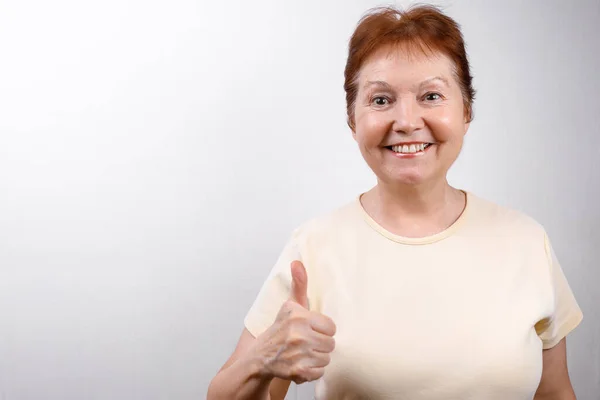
{"x": 447, "y": 127}
{"x": 371, "y": 128}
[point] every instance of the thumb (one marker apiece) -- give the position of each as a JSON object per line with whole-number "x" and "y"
{"x": 299, "y": 284}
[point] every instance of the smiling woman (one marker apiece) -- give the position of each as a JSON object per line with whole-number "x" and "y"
{"x": 416, "y": 290}
{"x": 398, "y": 97}
{"x": 404, "y": 74}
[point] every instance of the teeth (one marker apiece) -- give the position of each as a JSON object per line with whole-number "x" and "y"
{"x": 409, "y": 149}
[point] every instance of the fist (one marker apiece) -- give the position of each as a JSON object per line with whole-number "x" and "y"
{"x": 297, "y": 346}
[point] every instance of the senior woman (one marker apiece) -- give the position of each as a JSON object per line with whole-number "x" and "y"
{"x": 416, "y": 290}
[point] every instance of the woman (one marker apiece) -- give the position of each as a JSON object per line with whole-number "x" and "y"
{"x": 416, "y": 290}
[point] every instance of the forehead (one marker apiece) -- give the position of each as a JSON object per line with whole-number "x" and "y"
{"x": 400, "y": 66}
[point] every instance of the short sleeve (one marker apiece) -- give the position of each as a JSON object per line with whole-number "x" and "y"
{"x": 275, "y": 290}
{"x": 566, "y": 314}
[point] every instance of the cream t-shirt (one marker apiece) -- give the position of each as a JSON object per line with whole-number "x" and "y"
{"x": 463, "y": 314}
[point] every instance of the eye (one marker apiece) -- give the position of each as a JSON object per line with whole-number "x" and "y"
{"x": 380, "y": 101}
{"x": 433, "y": 96}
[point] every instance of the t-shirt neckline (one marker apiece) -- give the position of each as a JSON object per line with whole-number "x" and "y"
{"x": 417, "y": 240}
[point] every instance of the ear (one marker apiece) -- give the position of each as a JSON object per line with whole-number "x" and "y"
{"x": 468, "y": 118}
{"x": 352, "y": 127}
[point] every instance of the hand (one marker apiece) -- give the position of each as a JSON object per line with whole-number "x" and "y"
{"x": 297, "y": 346}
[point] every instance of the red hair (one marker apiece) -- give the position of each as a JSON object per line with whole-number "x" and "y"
{"x": 421, "y": 28}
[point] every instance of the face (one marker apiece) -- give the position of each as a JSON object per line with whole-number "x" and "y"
{"x": 409, "y": 116}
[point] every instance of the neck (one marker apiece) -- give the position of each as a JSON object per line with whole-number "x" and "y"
{"x": 415, "y": 200}
{"x": 414, "y": 210}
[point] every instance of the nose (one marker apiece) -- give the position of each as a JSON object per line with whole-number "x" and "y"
{"x": 407, "y": 116}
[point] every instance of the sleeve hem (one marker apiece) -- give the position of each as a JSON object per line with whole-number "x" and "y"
{"x": 563, "y": 331}
{"x": 253, "y": 326}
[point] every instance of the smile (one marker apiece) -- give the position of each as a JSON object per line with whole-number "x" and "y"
{"x": 409, "y": 148}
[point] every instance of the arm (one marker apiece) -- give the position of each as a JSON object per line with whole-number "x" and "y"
{"x": 243, "y": 377}
{"x": 555, "y": 383}
{"x": 295, "y": 347}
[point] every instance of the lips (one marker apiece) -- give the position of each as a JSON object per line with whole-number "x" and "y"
{"x": 409, "y": 148}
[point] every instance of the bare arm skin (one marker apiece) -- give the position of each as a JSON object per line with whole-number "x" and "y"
{"x": 555, "y": 383}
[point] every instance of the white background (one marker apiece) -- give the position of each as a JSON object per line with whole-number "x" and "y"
{"x": 154, "y": 157}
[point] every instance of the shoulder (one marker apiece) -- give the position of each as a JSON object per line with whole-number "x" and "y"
{"x": 503, "y": 220}
{"x": 340, "y": 219}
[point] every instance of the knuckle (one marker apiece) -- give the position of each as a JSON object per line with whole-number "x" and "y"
{"x": 292, "y": 311}
{"x": 294, "y": 338}
{"x": 292, "y": 321}
{"x": 298, "y": 318}
{"x": 331, "y": 326}
{"x": 291, "y": 305}
{"x": 296, "y": 324}
{"x": 288, "y": 306}
{"x": 298, "y": 380}
{"x": 315, "y": 374}
{"x": 298, "y": 372}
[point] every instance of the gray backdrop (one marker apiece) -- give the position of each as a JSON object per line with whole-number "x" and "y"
{"x": 154, "y": 157}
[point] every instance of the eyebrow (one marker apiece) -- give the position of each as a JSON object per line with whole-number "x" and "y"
{"x": 386, "y": 85}
{"x": 378, "y": 83}
{"x": 436, "y": 78}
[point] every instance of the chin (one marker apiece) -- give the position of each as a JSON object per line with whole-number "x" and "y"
{"x": 406, "y": 179}
{"x": 410, "y": 180}
{"x": 408, "y": 176}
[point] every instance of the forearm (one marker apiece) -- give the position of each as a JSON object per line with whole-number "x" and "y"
{"x": 240, "y": 381}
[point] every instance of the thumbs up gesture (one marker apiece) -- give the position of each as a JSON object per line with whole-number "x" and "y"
{"x": 297, "y": 346}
